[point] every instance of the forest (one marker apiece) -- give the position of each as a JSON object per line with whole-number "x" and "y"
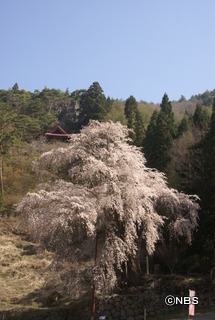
{"x": 177, "y": 141}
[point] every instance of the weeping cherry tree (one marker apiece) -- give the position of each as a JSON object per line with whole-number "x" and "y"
{"x": 103, "y": 189}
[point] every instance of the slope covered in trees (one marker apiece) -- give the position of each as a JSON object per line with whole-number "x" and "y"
{"x": 101, "y": 173}
{"x": 175, "y": 137}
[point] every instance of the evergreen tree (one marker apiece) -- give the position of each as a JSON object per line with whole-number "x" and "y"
{"x": 163, "y": 141}
{"x": 7, "y": 127}
{"x": 166, "y": 110}
{"x": 205, "y": 239}
{"x": 149, "y": 142}
{"x": 201, "y": 118}
{"x": 72, "y": 111}
{"x": 15, "y": 88}
{"x": 183, "y": 126}
{"x": 130, "y": 110}
{"x": 134, "y": 121}
{"x": 76, "y": 95}
{"x": 93, "y": 104}
{"x": 209, "y": 162}
{"x": 109, "y": 103}
{"x": 139, "y": 130}
{"x": 159, "y": 136}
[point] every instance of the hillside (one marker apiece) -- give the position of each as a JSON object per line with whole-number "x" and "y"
{"x": 34, "y": 279}
{"x": 25, "y": 270}
{"x": 25, "y": 115}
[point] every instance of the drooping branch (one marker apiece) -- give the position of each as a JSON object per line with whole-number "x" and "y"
{"x": 110, "y": 191}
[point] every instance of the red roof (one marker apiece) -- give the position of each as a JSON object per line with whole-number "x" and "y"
{"x": 57, "y": 132}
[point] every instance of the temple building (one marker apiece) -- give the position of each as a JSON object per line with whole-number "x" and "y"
{"x": 58, "y": 133}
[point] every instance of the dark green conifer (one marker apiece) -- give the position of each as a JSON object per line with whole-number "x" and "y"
{"x": 130, "y": 111}
{"x": 159, "y": 136}
{"x": 134, "y": 121}
{"x": 205, "y": 239}
{"x": 209, "y": 155}
{"x": 163, "y": 141}
{"x": 93, "y": 104}
{"x": 15, "y": 88}
{"x": 183, "y": 126}
{"x": 201, "y": 118}
{"x": 139, "y": 130}
{"x": 166, "y": 110}
{"x": 149, "y": 141}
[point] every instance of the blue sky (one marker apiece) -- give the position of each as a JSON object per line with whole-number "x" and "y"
{"x": 141, "y": 47}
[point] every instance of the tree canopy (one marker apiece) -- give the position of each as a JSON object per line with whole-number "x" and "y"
{"x": 93, "y": 104}
{"x": 134, "y": 121}
{"x": 159, "y": 136}
{"x": 103, "y": 188}
{"x": 201, "y": 118}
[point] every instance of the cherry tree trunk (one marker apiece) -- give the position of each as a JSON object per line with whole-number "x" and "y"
{"x": 134, "y": 271}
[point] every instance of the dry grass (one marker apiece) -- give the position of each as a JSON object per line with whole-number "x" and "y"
{"x": 29, "y": 275}
{"x": 22, "y": 270}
